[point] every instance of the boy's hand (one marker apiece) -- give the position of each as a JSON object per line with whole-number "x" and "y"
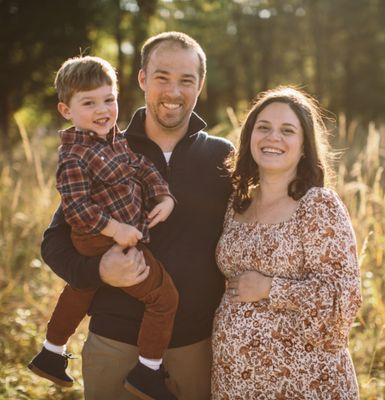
{"x": 127, "y": 235}
{"x": 161, "y": 211}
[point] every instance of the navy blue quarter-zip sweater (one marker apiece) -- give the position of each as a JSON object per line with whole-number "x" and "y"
{"x": 184, "y": 243}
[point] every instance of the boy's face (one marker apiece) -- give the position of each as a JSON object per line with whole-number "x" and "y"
{"x": 92, "y": 110}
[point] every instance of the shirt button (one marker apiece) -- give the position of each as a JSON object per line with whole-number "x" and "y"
{"x": 125, "y": 146}
{"x": 92, "y": 134}
{"x": 102, "y": 158}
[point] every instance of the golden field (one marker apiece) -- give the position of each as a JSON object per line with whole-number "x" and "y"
{"x": 28, "y": 289}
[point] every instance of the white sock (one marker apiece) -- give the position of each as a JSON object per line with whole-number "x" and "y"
{"x": 150, "y": 363}
{"x": 54, "y": 348}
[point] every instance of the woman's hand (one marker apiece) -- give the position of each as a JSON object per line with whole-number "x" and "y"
{"x": 249, "y": 287}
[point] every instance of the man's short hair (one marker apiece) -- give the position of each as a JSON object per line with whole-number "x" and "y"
{"x": 80, "y": 74}
{"x": 184, "y": 40}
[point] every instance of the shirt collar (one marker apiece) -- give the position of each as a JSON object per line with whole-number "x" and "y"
{"x": 74, "y": 135}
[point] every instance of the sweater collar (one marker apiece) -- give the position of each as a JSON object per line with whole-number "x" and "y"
{"x": 136, "y": 125}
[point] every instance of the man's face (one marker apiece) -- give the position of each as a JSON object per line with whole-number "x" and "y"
{"x": 171, "y": 85}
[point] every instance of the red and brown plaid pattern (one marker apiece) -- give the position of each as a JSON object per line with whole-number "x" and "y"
{"x": 99, "y": 179}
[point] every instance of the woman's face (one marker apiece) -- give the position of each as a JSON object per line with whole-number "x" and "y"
{"x": 277, "y": 140}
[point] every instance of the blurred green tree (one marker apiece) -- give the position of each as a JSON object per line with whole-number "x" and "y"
{"x": 35, "y": 38}
{"x": 335, "y": 49}
{"x": 126, "y": 24}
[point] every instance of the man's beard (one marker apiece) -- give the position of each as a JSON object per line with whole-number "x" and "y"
{"x": 170, "y": 123}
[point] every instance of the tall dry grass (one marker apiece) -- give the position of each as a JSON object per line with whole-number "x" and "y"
{"x": 28, "y": 289}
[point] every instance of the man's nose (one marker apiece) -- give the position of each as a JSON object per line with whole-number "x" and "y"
{"x": 173, "y": 89}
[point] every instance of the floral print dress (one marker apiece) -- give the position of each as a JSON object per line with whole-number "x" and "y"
{"x": 292, "y": 345}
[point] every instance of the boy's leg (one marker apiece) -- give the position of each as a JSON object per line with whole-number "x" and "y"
{"x": 73, "y": 304}
{"x": 70, "y": 309}
{"x": 51, "y": 362}
{"x": 157, "y": 292}
{"x": 91, "y": 245}
{"x": 160, "y": 298}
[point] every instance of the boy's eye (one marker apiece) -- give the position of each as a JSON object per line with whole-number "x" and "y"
{"x": 87, "y": 103}
{"x": 187, "y": 82}
{"x": 110, "y": 100}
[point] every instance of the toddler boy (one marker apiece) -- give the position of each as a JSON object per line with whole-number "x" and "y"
{"x": 109, "y": 195}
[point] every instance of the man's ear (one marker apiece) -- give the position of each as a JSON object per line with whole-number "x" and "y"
{"x": 64, "y": 110}
{"x": 142, "y": 79}
{"x": 201, "y": 84}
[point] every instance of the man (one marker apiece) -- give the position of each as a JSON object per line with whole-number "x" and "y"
{"x": 169, "y": 133}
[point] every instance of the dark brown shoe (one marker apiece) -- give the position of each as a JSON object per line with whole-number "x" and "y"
{"x": 52, "y": 366}
{"x": 147, "y": 384}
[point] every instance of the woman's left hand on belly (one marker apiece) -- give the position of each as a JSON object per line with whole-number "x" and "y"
{"x": 250, "y": 286}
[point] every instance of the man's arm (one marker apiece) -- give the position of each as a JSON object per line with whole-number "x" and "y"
{"x": 114, "y": 267}
{"x": 60, "y": 255}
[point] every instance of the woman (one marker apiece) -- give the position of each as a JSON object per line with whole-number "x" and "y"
{"x": 288, "y": 253}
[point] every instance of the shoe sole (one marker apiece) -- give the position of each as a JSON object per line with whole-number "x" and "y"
{"x": 53, "y": 379}
{"x": 136, "y": 392}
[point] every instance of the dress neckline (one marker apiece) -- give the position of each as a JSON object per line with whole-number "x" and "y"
{"x": 272, "y": 224}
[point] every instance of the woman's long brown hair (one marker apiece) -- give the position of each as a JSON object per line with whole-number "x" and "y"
{"x": 313, "y": 168}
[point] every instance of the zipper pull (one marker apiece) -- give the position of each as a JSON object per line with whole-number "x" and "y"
{"x": 168, "y": 172}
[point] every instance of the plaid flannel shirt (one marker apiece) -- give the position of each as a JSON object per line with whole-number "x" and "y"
{"x": 99, "y": 179}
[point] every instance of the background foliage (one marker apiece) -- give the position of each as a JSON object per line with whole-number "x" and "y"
{"x": 335, "y": 49}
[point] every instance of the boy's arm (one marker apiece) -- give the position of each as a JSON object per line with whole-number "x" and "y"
{"x": 60, "y": 255}
{"x": 74, "y": 186}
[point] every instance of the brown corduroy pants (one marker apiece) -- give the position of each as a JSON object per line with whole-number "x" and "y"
{"x": 157, "y": 292}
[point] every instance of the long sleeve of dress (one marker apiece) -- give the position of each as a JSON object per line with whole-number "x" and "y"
{"x": 326, "y": 302}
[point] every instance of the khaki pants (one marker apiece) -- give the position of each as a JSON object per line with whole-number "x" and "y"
{"x": 106, "y": 363}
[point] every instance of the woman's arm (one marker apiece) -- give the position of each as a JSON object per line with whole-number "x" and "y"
{"x": 327, "y": 301}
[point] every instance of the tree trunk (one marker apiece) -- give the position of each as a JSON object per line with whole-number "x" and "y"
{"x": 5, "y": 116}
{"x": 140, "y": 25}
{"x": 208, "y": 105}
{"x": 316, "y": 28}
{"x": 119, "y": 42}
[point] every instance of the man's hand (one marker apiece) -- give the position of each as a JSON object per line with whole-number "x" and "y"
{"x": 161, "y": 211}
{"x": 122, "y": 270}
{"x": 251, "y": 286}
{"x": 127, "y": 235}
